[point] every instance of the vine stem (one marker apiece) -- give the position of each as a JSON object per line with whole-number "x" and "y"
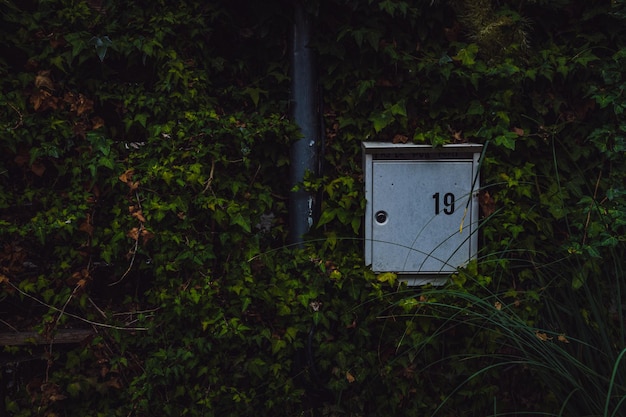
{"x": 136, "y": 247}
{"x": 74, "y": 316}
{"x": 595, "y": 194}
{"x": 56, "y": 322}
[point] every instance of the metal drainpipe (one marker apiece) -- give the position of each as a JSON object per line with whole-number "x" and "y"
{"x": 304, "y": 112}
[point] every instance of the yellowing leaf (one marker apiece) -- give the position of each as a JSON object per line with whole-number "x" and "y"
{"x": 389, "y": 277}
{"x": 326, "y": 216}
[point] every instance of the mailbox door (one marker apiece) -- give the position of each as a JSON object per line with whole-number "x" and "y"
{"x": 418, "y": 208}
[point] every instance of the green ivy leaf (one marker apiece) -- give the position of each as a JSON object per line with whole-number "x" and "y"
{"x": 506, "y": 140}
{"x": 239, "y": 220}
{"x": 381, "y": 121}
{"x": 101, "y": 45}
{"x": 327, "y": 216}
{"x": 467, "y": 55}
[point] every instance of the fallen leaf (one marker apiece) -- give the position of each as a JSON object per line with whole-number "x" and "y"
{"x": 400, "y": 139}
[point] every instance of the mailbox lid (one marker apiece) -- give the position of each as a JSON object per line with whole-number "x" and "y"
{"x": 386, "y": 150}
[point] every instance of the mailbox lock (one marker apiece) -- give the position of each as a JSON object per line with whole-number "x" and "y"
{"x": 381, "y": 217}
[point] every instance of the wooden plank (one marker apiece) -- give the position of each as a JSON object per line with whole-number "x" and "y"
{"x": 34, "y": 338}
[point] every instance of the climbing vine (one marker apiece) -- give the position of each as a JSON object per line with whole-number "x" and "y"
{"x": 144, "y": 157}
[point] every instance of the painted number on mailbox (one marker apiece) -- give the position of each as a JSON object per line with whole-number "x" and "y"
{"x": 448, "y": 203}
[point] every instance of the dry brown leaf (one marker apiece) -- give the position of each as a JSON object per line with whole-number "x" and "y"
{"x": 97, "y": 122}
{"x": 80, "y": 129}
{"x": 139, "y": 216}
{"x": 457, "y": 135}
{"x": 86, "y": 227}
{"x": 38, "y": 168}
{"x": 43, "y": 100}
{"x": 400, "y": 139}
{"x": 542, "y": 336}
{"x": 487, "y": 204}
{"x": 114, "y": 383}
{"x": 42, "y": 79}
{"x": 350, "y": 377}
{"x": 146, "y": 236}
{"x": 133, "y": 233}
{"x": 127, "y": 176}
{"x": 79, "y": 104}
{"x": 58, "y": 42}
{"x": 21, "y": 159}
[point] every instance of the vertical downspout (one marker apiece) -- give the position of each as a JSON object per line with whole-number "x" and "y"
{"x": 304, "y": 112}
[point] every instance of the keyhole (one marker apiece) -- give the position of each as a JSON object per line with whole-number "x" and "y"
{"x": 381, "y": 217}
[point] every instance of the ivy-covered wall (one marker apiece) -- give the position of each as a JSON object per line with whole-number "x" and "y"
{"x": 144, "y": 162}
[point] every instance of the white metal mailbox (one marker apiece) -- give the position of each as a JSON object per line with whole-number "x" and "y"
{"x": 422, "y": 209}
